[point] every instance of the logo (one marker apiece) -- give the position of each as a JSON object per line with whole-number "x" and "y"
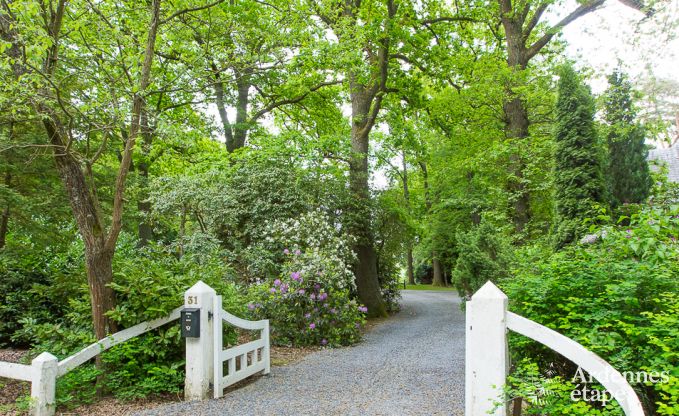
{"x": 586, "y": 393}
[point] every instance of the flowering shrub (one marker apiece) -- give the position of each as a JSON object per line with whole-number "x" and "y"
{"x": 308, "y": 305}
{"x": 313, "y": 246}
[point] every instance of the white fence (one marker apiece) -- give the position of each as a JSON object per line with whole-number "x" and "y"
{"x": 487, "y": 357}
{"x": 45, "y": 368}
{"x": 243, "y": 360}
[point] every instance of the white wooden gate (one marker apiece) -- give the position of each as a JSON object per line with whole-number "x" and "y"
{"x": 240, "y": 361}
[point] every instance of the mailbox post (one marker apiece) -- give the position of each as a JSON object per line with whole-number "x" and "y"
{"x": 198, "y": 305}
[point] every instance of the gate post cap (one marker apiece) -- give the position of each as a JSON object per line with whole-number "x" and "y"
{"x": 201, "y": 287}
{"x": 489, "y": 291}
{"x": 44, "y": 357}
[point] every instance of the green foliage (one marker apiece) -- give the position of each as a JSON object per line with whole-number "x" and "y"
{"x": 617, "y": 297}
{"x": 628, "y": 172}
{"x": 149, "y": 283}
{"x": 227, "y": 217}
{"x": 484, "y": 255}
{"x": 34, "y": 283}
{"x": 578, "y": 170}
{"x": 394, "y": 231}
{"x": 546, "y": 395}
{"x": 231, "y": 207}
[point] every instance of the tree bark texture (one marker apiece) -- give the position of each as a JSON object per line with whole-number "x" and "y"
{"x": 144, "y": 228}
{"x": 365, "y": 270}
{"x": 516, "y": 118}
{"x": 438, "y": 279}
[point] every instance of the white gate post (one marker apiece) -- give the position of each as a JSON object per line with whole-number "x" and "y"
{"x": 486, "y": 352}
{"x": 199, "y": 351}
{"x": 43, "y": 385}
{"x": 267, "y": 348}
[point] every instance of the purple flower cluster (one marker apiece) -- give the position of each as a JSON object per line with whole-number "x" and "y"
{"x": 309, "y": 300}
{"x": 284, "y": 287}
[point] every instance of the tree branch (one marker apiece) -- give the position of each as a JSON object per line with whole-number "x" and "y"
{"x": 190, "y": 10}
{"x": 577, "y": 13}
{"x": 137, "y": 106}
{"x": 534, "y": 20}
{"x": 294, "y": 100}
{"x": 449, "y": 19}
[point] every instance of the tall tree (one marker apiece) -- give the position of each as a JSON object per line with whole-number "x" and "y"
{"x": 578, "y": 172}
{"x": 99, "y": 242}
{"x": 88, "y": 85}
{"x": 525, "y": 37}
{"x": 367, "y": 29}
{"x": 628, "y": 173}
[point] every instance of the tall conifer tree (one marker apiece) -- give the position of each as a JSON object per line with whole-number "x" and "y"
{"x": 579, "y": 179}
{"x": 628, "y": 174}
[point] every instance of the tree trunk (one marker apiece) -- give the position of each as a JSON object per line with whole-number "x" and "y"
{"x": 435, "y": 263}
{"x": 366, "y": 101}
{"x": 410, "y": 271}
{"x": 438, "y": 271}
{"x": 517, "y": 130}
{"x": 240, "y": 130}
{"x": 4, "y": 219}
{"x": 365, "y": 270}
{"x": 4, "y": 226}
{"x": 516, "y": 118}
{"x": 98, "y": 260}
{"x": 99, "y": 276}
{"x": 235, "y": 133}
{"x": 406, "y": 195}
{"x": 144, "y": 228}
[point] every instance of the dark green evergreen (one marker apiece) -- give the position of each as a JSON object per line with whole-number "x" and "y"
{"x": 578, "y": 177}
{"x": 628, "y": 174}
{"x": 484, "y": 255}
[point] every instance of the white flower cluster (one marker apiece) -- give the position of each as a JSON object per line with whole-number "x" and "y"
{"x": 316, "y": 248}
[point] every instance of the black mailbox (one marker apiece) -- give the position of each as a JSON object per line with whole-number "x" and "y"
{"x": 190, "y": 323}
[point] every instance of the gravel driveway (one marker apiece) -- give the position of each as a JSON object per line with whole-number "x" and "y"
{"x": 412, "y": 364}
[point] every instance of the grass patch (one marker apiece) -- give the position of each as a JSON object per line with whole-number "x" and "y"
{"x": 430, "y": 287}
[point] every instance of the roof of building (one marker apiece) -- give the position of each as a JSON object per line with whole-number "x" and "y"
{"x": 668, "y": 157}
